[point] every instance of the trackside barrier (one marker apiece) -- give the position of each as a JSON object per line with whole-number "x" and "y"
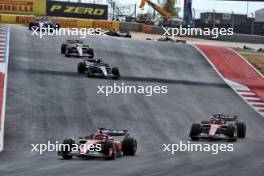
{"x": 28, "y": 7}
{"x": 64, "y": 22}
{"x": 244, "y": 38}
{"x": 4, "y": 52}
{"x": 123, "y": 26}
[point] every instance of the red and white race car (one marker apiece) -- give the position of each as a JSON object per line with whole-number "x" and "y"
{"x": 106, "y": 143}
{"x": 219, "y": 127}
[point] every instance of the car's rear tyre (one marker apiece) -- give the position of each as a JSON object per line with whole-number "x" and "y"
{"x": 241, "y": 129}
{"x": 67, "y": 52}
{"x": 81, "y": 67}
{"x": 68, "y": 145}
{"x": 91, "y": 52}
{"x": 129, "y": 146}
{"x": 30, "y": 26}
{"x": 89, "y": 72}
{"x": 63, "y": 48}
{"x": 109, "y": 150}
{"x": 196, "y": 129}
{"x": 128, "y": 36}
{"x": 116, "y": 73}
{"x": 231, "y": 132}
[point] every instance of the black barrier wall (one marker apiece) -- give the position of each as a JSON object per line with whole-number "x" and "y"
{"x": 77, "y": 10}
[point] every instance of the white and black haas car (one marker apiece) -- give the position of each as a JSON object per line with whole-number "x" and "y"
{"x": 76, "y": 48}
{"x": 106, "y": 143}
{"x": 43, "y": 23}
{"x": 97, "y": 68}
{"x": 219, "y": 126}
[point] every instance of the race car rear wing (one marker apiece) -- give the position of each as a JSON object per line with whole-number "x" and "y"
{"x": 74, "y": 41}
{"x": 225, "y": 117}
{"x": 229, "y": 118}
{"x": 113, "y": 132}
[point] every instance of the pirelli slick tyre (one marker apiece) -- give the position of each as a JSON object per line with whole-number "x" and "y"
{"x": 129, "y": 146}
{"x": 196, "y": 129}
{"x": 231, "y": 132}
{"x": 109, "y": 150}
{"x": 67, "y": 52}
{"x": 128, "y": 36}
{"x": 63, "y": 48}
{"x": 91, "y": 52}
{"x": 89, "y": 72}
{"x": 30, "y": 26}
{"x": 116, "y": 73}
{"x": 81, "y": 67}
{"x": 67, "y": 148}
{"x": 241, "y": 129}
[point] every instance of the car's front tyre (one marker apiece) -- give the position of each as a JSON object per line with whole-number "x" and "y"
{"x": 109, "y": 150}
{"x": 63, "y": 48}
{"x": 241, "y": 129}
{"x": 196, "y": 129}
{"x": 116, "y": 73}
{"x": 81, "y": 67}
{"x": 129, "y": 146}
{"x": 66, "y": 148}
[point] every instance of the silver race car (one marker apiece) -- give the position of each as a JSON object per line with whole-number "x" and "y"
{"x": 76, "y": 48}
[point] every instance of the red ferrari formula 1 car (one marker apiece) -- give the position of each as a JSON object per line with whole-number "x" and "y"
{"x": 106, "y": 143}
{"x": 219, "y": 127}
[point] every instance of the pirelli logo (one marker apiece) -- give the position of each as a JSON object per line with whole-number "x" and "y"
{"x": 77, "y": 10}
{"x": 16, "y": 6}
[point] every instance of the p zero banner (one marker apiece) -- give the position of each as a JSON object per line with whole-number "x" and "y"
{"x": 77, "y": 10}
{"x": 29, "y": 7}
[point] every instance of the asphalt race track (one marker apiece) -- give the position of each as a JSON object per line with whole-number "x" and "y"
{"x": 48, "y": 100}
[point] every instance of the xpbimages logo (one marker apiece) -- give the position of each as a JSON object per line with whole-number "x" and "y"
{"x": 82, "y": 32}
{"x": 193, "y": 147}
{"x": 56, "y": 147}
{"x": 132, "y": 89}
{"x": 214, "y": 32}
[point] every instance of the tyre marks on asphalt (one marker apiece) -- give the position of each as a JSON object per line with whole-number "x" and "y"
{"x": 242, "y": 77}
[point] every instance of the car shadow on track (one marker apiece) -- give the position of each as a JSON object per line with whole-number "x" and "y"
{"x": 171, "y": 81}
{"x": 124, "y": 78}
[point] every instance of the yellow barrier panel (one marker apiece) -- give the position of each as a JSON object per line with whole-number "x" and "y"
{"x": 40, "y": 7}
{"x": 17, "y": 19}
{"x": 64, "y": 22}
{"x": 106, "y": 24}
